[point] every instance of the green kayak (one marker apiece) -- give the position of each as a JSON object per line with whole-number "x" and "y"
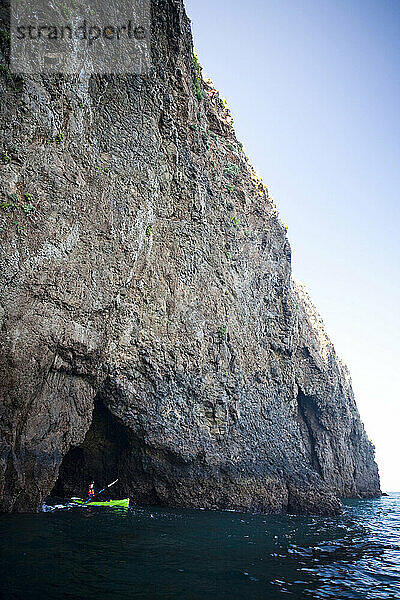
{"x": 124, "y": 502}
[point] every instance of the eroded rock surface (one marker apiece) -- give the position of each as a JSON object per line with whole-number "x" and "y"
{"x": 150, "y": 327}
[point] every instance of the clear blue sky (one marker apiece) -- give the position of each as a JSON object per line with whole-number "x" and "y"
{"x": 314, "y": 88}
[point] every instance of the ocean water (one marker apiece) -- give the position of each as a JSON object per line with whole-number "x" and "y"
{"x": 159, "y": 554}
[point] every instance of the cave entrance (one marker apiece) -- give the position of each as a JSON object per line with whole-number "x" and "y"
{"x": 310, "y": 428}
{"x": 109, "y": 451}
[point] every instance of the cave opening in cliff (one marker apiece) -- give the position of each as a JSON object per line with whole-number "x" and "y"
{"x": 309, "y": 425}
{"x": 109, "y": 451}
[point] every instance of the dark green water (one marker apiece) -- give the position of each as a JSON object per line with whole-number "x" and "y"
{"x": 159, "y": 554}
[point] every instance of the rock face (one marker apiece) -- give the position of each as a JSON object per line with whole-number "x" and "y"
{"x": 150, "y": 326}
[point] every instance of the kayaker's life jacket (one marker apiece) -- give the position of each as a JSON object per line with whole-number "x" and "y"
{"x": 91, "y": 491}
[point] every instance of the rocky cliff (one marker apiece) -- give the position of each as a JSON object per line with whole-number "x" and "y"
{"x": 150, "y": 326}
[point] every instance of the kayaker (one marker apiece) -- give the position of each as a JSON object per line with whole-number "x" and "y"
{"x": 91, "y": 492}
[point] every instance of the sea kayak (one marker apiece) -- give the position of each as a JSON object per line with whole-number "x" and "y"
{"x": 124, "y": 503}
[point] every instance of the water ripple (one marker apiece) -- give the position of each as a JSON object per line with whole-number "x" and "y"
{"x": 70, "y": 552}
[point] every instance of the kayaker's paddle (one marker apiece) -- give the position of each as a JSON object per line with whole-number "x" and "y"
{"x": 97, "y": 494}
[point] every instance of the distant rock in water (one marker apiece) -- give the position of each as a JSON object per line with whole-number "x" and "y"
{"x": 151, "y": 329}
